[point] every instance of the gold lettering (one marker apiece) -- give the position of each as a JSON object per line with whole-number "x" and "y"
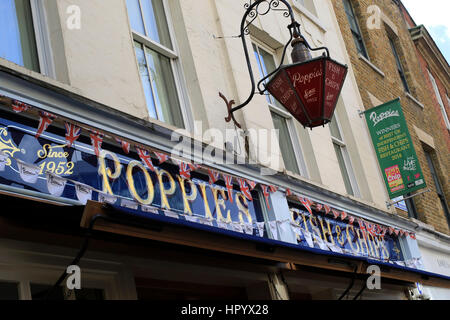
{"x": 350, "y": 239}
{"x": 165, "y": 192}
{"x": 243, "y": 208}
{"x": 220, "y": 203}
{"x": 340, "y": 236}
{"x": 315, "y": 226}
{"x": 208, "y": 214}
{"x": 131, "y": 185}
{"x": 47, "y": 152}
{"x": 363, "y": 241}
{"x": 304, "y": 222}
{"x": 374, "y": 245}
{"x": 326, "y": 232}
{"x": 187, "y": 198}
{"x": 106, "y": 173}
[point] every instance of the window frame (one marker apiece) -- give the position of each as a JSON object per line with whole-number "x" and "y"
{"x": 437, "y": 93}
{"x": 175, "y": 63}
{"x": 399, "y": 64}
{"x": 293, "y": 134}
{"x": 357, "y": 33}
{"x": 42, "y": 40}
{"x": 346, "y": 156}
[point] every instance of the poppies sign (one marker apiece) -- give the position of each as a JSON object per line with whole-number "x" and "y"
{"x": 395, "y": 152}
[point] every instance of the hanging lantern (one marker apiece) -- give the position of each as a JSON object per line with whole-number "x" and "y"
{"x": 309, "y": 89}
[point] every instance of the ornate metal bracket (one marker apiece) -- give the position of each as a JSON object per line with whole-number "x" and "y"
{"x": 253, "y": 10}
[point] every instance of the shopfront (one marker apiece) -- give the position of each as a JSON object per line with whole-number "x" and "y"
{"x": 167, "y": 227}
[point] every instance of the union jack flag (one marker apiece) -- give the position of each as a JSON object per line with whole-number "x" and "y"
{"x": 319, "y": 207}
{"x": 391, "y": 230}
{"x": 343, "y": 215}
{"x": 336, "y": 213}
{"x": 125, "y": 145}
{"x": 72, "y": 133}
{"x": 19, "y": 106}
{"x": 145, "y": 157}
{"x": 306, "y": 204}
{"x": 351, "y": 219}
{"x": 371, "y": 228}
{"x": 162, "y": 157}
{"x": 45, "y": 120}
{"x": 213, "y": 176}
{"x": 185, "y": 169}
{"x": 252, "y": 184}
{"x": 96, "y": 140}
{"x": 273, "y": 189}
{"x": 327, "y": 209}
{"x": 413, "y": 236}
{"x": 362, "y": 226}
{"x": 229, "y": 184}
{"x": 245, "y": 189}
{"x": 265, "y": 190}
{"x": 289, "y": 192}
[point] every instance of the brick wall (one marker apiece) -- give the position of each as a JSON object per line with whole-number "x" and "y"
{"x": 389, "y": 87}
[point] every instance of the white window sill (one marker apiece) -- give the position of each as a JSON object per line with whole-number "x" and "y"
{"x": 374, "y": 67}
{"x": 414, "y": 100}
{"x": 310, "y": 16}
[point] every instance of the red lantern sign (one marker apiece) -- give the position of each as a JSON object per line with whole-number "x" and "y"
{"x": 309, "y": 90}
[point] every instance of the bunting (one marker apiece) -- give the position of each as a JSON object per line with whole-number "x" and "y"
{"x": 336, "y": 213}
{"x": 229, "y": 184}
{"x": 145, "y": 157}
{"x": 252, "y": 184}
{"x": 306, "y": 204}
{"x": 327, "y": 209}
{"x": 245, "y": 189}
{"x": 19, "y": 106}
{"x": 185, "y": 170}
{"x": 72, "y": 133}
{"x": 273, "y": 189}
{"x": 45, "y": 119}
{"x": 343, "y": 215}
{"x": 289, "y": 193}
{"x": 213, "y": 176}
{"x": 126, "y": 146}
{"x": 96, "y": 140}
{"x": 162, "y": 157}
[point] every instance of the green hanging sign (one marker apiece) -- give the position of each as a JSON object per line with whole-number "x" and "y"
{"x": 395, "y": 152}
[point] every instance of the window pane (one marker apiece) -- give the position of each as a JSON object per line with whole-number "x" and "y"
{"x": 156, "y": 22}
{"x": 143, "y": 71}
{"x": 399, "y": 65}
{"x": 340, "y": 157}
{"x": 285, "y": 142}
{"x": 18, "y": 43}
{"x": 135, "y": 16}
{"x": 357, "y": 37}
{"x": 164, "y": 90}
{"x": 9, "y": 291}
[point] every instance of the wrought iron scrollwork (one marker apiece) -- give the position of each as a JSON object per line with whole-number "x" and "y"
{"x": 254, "y": 9}
{"x": 261, "y": 8}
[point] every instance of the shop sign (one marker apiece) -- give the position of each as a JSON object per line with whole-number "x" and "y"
{"x": 394, "y": 148}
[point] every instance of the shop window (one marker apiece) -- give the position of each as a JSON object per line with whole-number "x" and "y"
{"x": 439, "y": 99}
{"x": 400, "y": 69}
{"x": 438, "y": 185}
{"x": 343, "y": 158}
{"x": 283, "y": 122}
{"x": 157, "y": 60}
{"x": 355, "y": 29}
{"x": 23, "y": 34}
{"x": 9, "y": 291}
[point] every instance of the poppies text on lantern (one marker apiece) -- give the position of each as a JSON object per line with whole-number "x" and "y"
{"x": 309, "y": 88}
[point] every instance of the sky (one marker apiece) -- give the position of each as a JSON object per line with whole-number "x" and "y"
{"x": 435, "y": 15}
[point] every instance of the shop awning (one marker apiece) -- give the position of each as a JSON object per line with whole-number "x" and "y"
{"x": 123, "y": 221}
